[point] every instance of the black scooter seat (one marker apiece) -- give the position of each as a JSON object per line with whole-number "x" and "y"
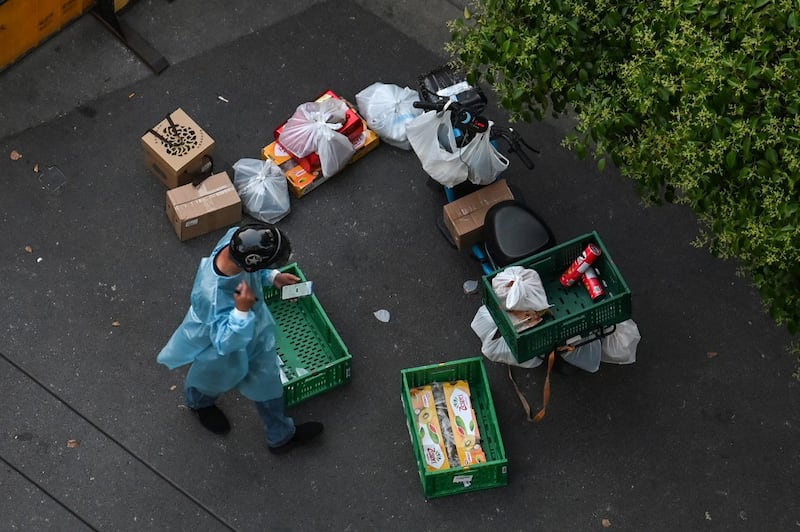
{"x": 513, "y": 232}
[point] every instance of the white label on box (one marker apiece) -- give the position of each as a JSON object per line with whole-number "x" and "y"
{"x": 466, "y": 480}
{"x": 192, "y": 222}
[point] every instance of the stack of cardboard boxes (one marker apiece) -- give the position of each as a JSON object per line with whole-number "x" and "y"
{"x": 179, "y": 153}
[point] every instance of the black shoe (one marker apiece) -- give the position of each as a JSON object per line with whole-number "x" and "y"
{"x": 213, "y": 419}
{"x": 303, "y": 433}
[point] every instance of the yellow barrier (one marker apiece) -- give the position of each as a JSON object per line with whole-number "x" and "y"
{"x": 25, "y": 24}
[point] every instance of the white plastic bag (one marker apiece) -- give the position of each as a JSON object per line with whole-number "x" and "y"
{"x": 493, "y": 345}
{"x": 520, "y": 288}
{"x": 313, "y": 129}
{"x": 483, "y": 159}
{"x": 619, "y": 347}
{"x": 262, "y": 188}
{"x": 387, "y": 109}
{"x": 586, "y": 357}
{"x": 431, "y": 136}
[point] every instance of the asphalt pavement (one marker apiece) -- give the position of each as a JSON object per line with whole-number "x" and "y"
{"x": 701, "y": 433}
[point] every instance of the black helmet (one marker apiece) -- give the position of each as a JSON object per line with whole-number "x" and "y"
{"x": 259, "y": 246}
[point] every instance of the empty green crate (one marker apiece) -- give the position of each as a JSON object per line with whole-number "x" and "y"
{"x": 490, "y": 474}
{"x": 574, "y": 312}
{"x": 314, "y": 358}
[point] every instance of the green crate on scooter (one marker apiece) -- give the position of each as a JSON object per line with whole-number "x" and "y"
{"x": 574, "y": 312}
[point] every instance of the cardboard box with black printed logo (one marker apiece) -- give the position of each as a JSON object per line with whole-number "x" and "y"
{"x": 177, "y": 150}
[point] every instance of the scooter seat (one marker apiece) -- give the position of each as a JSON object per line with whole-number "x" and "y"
{"x": 513, "y": 232}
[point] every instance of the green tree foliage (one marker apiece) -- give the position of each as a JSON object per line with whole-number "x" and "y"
{"x": 698, "y": 101}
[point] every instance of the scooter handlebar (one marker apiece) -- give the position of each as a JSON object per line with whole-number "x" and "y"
{"x": 516, "y": 144}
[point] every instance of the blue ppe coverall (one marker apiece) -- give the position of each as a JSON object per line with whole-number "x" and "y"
{"x": 225, "y": 350}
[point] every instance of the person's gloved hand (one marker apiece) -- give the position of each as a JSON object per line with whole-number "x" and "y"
{"x": 244, "y": 297}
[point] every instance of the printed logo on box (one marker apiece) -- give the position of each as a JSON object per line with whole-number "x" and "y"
{"x": 180, "y": 140}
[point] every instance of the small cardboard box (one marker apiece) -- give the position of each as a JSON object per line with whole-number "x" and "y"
{"x": 195, "y": 211}
{"x": 176, "y": 149}
{"x": 464, "y": 217}
{"x": 278, "y": 154}
{"x": 301, "y": 181}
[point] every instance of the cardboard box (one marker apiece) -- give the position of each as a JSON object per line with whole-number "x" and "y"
{"x": 301, "y": 181}
{"x": 464, "y": 217}
{"x": 278, "y": 154}
{"x": 353, "y": 129}
{"x": 177, "y": 151}
{"x": 25, "y": 24}
{"x": 195, "y": 211}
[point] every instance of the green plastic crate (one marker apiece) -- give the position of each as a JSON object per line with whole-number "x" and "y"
{"x": 315, "y": 360}
{"x": 490, "y": 474}
{"x": 575, "y": 314}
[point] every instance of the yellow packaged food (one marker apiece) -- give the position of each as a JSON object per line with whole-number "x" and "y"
{"x": 464, "y": 422}
{"x": 428, "y": 429}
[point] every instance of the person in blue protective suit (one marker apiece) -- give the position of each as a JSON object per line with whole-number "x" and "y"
{"x": 229, "y": 335}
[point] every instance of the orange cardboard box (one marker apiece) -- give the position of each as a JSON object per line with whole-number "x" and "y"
{"x": 278, "y": 154}
{"x": 301, "y": 181}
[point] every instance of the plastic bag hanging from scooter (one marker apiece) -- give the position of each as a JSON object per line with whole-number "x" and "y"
{"x": 433, "y": 140}
{"x": 482, "y": 159}
{"x": 313, "y": 129}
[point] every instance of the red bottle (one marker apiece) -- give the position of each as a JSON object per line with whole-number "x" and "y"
{"x": 593, "y": 284}
{"x": 584, "y": 260}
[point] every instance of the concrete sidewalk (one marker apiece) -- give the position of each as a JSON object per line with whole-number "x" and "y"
{"x": 701, "y": 433}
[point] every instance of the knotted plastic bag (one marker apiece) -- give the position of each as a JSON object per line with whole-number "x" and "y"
{"x": 520, "y": 288}
{"x": 483, "y": 161}
{"x": 263, "y": 189}
{"x": 313, "y": 128}
{"x": 493, "y": 345}
{"x": 387, "y": 109}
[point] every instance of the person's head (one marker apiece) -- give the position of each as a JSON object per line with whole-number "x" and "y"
{"x": 258, "y": 246}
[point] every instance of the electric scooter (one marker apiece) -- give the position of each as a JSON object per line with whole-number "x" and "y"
{"x": 512, "y": 231}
